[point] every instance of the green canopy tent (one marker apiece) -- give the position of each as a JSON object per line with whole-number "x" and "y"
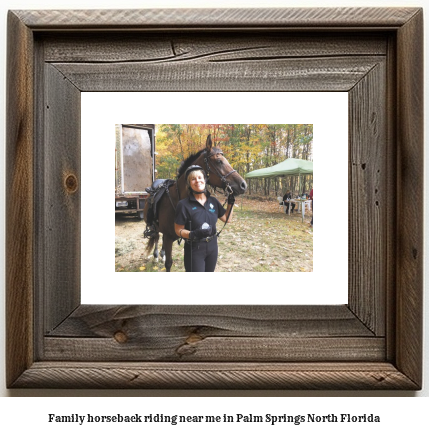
{"x": 289, "y": 167}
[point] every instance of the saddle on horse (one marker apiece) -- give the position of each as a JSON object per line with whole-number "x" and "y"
{"x": 156, "y": 191}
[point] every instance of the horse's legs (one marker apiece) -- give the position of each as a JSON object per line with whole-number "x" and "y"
{"x": 167, "y": 246}
{"x": 155, "y": 252}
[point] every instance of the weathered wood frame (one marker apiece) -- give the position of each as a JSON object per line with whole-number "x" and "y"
{"x": 373, "y": 342}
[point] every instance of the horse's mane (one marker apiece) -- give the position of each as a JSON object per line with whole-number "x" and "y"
{"x": 193, "y": 157}
{"x": 187, "y": 162}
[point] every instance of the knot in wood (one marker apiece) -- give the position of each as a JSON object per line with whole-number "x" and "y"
{"x": 193, "y": 338}
{"x": 120, "y": 337}
{"x": 71, "y": 183}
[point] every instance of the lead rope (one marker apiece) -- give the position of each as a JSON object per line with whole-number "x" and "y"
{"x": 229, "y": 190}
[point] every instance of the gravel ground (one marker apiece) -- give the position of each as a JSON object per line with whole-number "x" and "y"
{"x": 260, "y": 238}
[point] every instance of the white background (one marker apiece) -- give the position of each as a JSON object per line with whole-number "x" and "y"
{"x": 401, "y": 414}
{"x": 327, "y": 284}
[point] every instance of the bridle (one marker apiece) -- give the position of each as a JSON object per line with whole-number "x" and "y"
{"x": 228, "y": 190}
{"x": 223, "y": 178}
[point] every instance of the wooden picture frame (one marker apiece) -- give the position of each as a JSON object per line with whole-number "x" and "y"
{"x": 373, "y": 342}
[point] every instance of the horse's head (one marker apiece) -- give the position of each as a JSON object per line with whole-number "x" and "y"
{"x": 219, "y": 172}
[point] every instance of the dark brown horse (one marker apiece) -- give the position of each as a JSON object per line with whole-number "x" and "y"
{"x": 219, "y": 174}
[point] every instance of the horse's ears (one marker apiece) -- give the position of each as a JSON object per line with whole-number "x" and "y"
{"x": 209, "y": 143}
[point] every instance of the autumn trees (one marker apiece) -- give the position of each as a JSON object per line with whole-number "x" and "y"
{"x": 246, "y": 146}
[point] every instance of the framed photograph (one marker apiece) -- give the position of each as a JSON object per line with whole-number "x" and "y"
{"x": 260, "y": 239}
{"x": 374, "y": 341}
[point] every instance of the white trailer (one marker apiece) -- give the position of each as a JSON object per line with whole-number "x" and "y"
{"x": 134, "y": 166}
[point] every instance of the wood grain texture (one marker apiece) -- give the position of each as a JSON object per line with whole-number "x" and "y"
{"x": 209, "y": 18}
{"x": 99, "y": 321}
{"x": 325, "y": 74}
{"x": 214, "y": 333}
{"x": 373, "y": 343}
{"x": 409, "y": 278}
{"x": 368, "y": 173}
{"x": 391, "y": 193}
{"x": 153, "y": 347}
{"x": 61, "y": 206}
{"x": 19, "y": 200}
{"x": 248, "y": 376}
{"x": 173, "y": 48}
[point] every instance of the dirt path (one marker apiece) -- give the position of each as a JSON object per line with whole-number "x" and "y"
{"x": 260, "y": 238}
